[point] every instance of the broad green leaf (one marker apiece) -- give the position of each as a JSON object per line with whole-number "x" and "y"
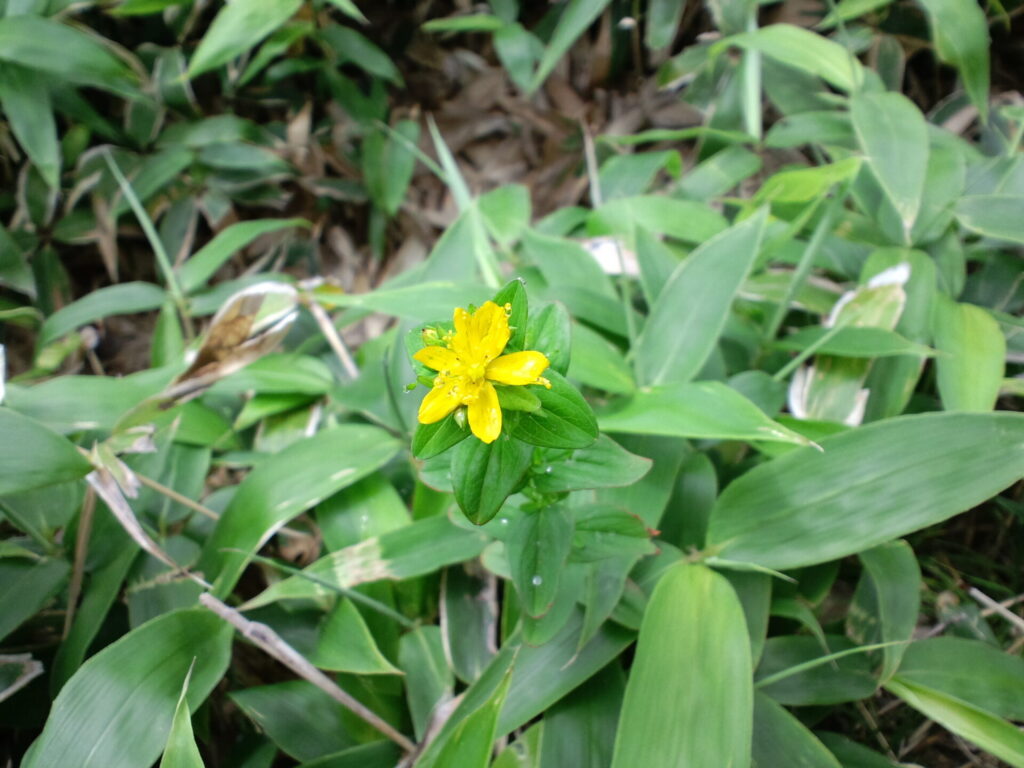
{"x": 564, "y": 420}
{"x": 300, "y": 718}
{"x": 428, "y": 678}
{"x": 689, "y": 699}
{"x": 663, "y": 18}
{"x": 237, "y": 27}
{"x": 782, "y": 741}
{"x": 537, "y": 546}
{"x": 596, "y": 362}
{"x": 471, "y": 743}
{"x": 805, "y": 184}
{"x": 814, "y": 127}
{"x": 181, "y": 750}
{"x": 991, "y": 733}
{"x": 846, "y": 10}
{"x": 483, "y": 475}
{"x": 422, "y": 302}
{"x": 970, "y": 370}
{"x": 25, "y": 99}
{"x": 831, "y": 682}
{"x": 810, "y": 507}
{"x": 118, "y": 708}
{"x": 346, "y": 644}
{"x": 993, "y": 216}
{"x": 120, "y": 299}
{"x": 377, "y": 754}
{"x": 202, "y": 265}
{"x": 853, "y": 341}
{"x": 970, "y": 670}
{"x": 702, "y": 409}
{"x": 691, "y": 311}
{"x": 513, "y": 295}
{"x": 31, "y": 41}
{"x": 887, "y": 601}
{"x": 471, "y": 617}
{"x": 580, "y": 729}
{"x": 32, "y": 456}
{"x": 286, "y": 484}
{"x": 349, "y": 8}
{"x": 607, "y": 532}
{"x": 718, "y": 174}
{"x": 805, "y": 50}
{"x": 550, "y": 331}
{"x": 388, "y": 164}
{"x": 687, "y": 220}
{"x": 605, "y": 464}
{"x": 475, "y": 22}
{"x": 893, "y": 136}
{"x": 27, "y": 587}
{"x": 429, "y": 440}
{"x": 368, "y": 508}
{"x": 851, "y": 754}
{"x": 960, "y": 31}
{"x": 414, "y": 550}
{"x": 506, "y": 212}
{"x": 573, "y": 22}
{"x": 349, "y": 45}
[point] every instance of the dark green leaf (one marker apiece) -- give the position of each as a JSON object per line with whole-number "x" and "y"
{"x": 565, "y": 419}
{"x": 484, "y": 474}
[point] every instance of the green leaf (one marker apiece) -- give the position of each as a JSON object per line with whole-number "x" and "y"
{"x": 790, "y": 674}
{"x": 346, "y": 644}
{"x": 514, "y": 294}
{"x": 804, "y": 50}
{"x": 32, "y": 456}
{"x": 605, "y": 464}
{"x": 27, "y": 586}
{"x": 689, "y": 698}
{"x": 701, "y": 409}
{"x": 576, "y": 17}
{"x": 298, "y": 717}
{"x": 851, "y": 754}
{"x": 181, "y": 750}
{"x": 484, "y": 474}
{"x": 120, "y": 299}
{"x": 428, "y": 678}
{"x": 474, "y": 22}
{"x": 887, "y": 602}
{"x": 596, "y": 362}
{"x": 971, "y": 370}
{"x": 117, "y": 710}
{"x": 603, "y": 532}
{"x": 25, "y": 99}
{"x": 203, "y": 264}
{"x": 805, "y": 184}
{"x": 782, "y": 741}
{"x": 506, "y": 212}
{"x": 349, "y": 45}
{"x": 893, "y": 136}
{"x": 536, "y": 548}
{"x": 690, "y": 312}
{"x": 846, "y": 10}
{"x": 388, "y": 164}
{"x": 580, "y": 729}
{"x": 960, "y": 31}
{"x": 564, "y": 420}
{"x": 237, "y": 27}
{"x": 687, "y": 220}
{"x": 349, "y": 8}
{"x": 970, "y": 670}
{"x": 991, "y": 733}
{"x": 413, "y": 550}
{"x": 550, "y": 331}
{"x": 422, "y": 302}
{"x": 993, "y": 216}
{"x": 810, "y": 507}
{"x": 284, "y": 485}
{"x": 663, "y": 18}
{"x": 31, "y": 41}
{"x": 429, "y": 440}
{"x": 471, "y": 742}
{"x": 852, "y": 341}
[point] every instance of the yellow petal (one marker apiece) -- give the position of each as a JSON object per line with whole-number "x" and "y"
{"x": 518, "y": 368}
{"x": 485, "y": 414}
{"x": 489, "y": 332}
{"x": 461, "y": 341}
{"x": 438, "y": 358}
{"x": 438, "y": 403}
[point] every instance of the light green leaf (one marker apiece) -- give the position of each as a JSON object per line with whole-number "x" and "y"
{"x": 782, "y": 741}
{"x": 346, "y": 644}
{"x": 120, "y": 299}
{"x": 805, "y": 50}
{"x": 996, "y": 216}
{"x": 810, "y": 507}
{"x": 202, "y": 265}
{"x": 689, "y": 698}
{"x": 605, "y": 464}
{"x": 805, "y": 184}
{"x": 181, "y": 750}
{"x": 853, "y": 341}
{"x": 32, "y": 456}
{"x": 893, "y": 135}
{"x": 960, "y": 31}
{"x": 25, "y": 99}
{"x": 991, "y": 733}
{"x": 237, "y": 27}
{"x": 413, "y": 550}
{"x": 428, "y": 678}
{"x": 536, "y": 548}
{"x": 117, "y": 710}
{"x": 970, "y": 371}
{"x": 286, "y": 484}
{"x": 702, "y": 409}
{"x": 576, "y": 17}
{"x": 690, "y": 312}
{"x": 688, "y": 220}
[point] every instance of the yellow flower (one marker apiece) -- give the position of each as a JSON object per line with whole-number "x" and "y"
{"x": 467, "y": 364}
